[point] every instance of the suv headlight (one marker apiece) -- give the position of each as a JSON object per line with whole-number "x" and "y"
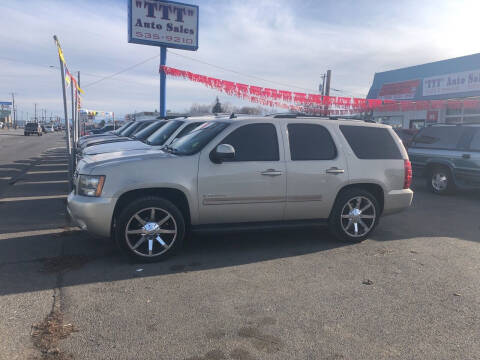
{"x": 90, "y": 185}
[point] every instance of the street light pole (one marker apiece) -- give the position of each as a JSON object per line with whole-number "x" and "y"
{"x": 36, "y": 120}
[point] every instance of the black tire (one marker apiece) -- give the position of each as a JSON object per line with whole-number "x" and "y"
{"x": 337, "y": 224}
{"x": 126, "y": 218}
{"x": 25, "y": 134}
{"x": 440, "y": 181}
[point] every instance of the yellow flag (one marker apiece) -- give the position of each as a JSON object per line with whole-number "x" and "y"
{"x": 67, "y": 79}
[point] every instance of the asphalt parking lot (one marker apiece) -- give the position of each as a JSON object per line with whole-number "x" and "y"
{"x": 410, "y": 292}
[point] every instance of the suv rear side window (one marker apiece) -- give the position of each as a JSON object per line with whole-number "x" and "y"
{"x": 254, "y": 142}
{"x": 438, "y": 137}
{"x": 310, "y": 142}
{"x": 371, "y": 142}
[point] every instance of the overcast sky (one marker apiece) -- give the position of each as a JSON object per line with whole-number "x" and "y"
{"x": 283, "y": 41}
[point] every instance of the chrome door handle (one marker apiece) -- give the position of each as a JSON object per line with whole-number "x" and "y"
{"x": 335, "y": 171}
{"x": 271, "y": 172}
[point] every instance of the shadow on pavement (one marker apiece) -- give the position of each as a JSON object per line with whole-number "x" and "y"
{"x": 95, "y": 260}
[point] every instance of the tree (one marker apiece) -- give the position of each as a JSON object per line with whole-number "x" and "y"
{"x": 217, "y": 108}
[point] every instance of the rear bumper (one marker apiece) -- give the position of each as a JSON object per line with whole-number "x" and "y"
{"x": 91, "y": 213}
{"x": 397, "y": 200}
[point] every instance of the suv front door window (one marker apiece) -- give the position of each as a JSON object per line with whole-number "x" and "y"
{"x": 250, "y": 187}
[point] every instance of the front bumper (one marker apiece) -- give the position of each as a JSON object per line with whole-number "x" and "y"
{"x": 93, "y": 214}
{"x": 397, "y": 200}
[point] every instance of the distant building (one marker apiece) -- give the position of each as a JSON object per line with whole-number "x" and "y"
{"x": 457, "y": 78}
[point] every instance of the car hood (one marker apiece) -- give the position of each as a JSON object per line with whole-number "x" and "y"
{"x": 94, "y": 138}
{"x": 106, "y": 141}
{"x": 118, "y": 146}
{"x": 86, "y": 164}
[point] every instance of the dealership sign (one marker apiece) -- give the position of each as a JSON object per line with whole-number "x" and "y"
{"x": 399, "y": 91}
{"x": 163, "y": 23}
{"x": 461, "y": 82}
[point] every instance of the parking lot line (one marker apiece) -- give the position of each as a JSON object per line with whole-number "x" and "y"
{"x": 25, "y": 198}
{"x": 47, "y": 172}
{"x": 23, "y": 182}
{"x": 30, "y": 233}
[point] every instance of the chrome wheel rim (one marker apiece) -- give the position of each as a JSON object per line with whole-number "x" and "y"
{"x": 151, "y": 232}
{"x": 358, "y": 216}
{"x": 439, "y": 181}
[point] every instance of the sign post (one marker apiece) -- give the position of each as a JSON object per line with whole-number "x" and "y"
{"x": 164, "y": 24}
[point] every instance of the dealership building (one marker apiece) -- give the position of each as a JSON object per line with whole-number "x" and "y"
{"x": 454, "y": 81}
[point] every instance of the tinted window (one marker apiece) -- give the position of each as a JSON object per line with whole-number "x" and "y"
{"x": 310, "y": 142}
{"x": 371, "y": 142}
{"x": 438, "y": 137}
{"x": 133, "y": 130}
{"x": 187, "y": 129}
{"x": 254, "y": 142}
{"x": 475, "y": 144}
{"x": 163, "y": 134}
{"x": 149, "y": 130}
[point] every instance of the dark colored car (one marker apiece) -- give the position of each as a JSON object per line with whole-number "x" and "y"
{"x": 448, "y": 156}
{"x": 406, "y": 135}
{"x": 101, "y": 130}
{"x": 32, "y": 129}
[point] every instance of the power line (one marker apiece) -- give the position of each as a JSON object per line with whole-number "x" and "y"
{"x": 121, "y": 71}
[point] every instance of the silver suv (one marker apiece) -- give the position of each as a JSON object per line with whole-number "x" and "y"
{"x": 245, "y": 173}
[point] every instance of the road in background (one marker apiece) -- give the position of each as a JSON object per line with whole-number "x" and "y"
{"x": 411, "y": 292}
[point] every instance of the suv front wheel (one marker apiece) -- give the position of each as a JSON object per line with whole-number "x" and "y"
{"x": 150, "y": 229}
{"x": 354, "y": 215}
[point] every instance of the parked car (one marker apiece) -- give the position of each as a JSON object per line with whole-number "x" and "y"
{"x": 49, "y": 128}
{"x": 32, "y": 129}
{"x": 115, "y": 132}
{"x": 245, "y": 173}
{"x": 406, "y": 135}
{"x": 144, "y": 140}
{"x": 131, "y": 129}
{"x": 101, "y": 130}
{"x": 448, "y": 156}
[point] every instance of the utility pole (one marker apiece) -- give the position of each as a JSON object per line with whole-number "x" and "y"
{"x": 36, "y": 120}
{"x": 329, "y": 77}
{"x": 14, "y": 111}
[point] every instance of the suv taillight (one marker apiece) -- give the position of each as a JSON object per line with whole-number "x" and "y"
{"x": 408, "y": 174}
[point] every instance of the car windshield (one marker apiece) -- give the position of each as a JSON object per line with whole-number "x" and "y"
{"x": 121, "y": 133}
{"x": 161, "y": 135}
{"x": 149, "y": 130}
{"x": 123, "y": 127}
{"x": 198, "y": 138}
{"x": 136, "y": 127}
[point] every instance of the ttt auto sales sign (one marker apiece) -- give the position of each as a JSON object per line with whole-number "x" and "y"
{"x": 163, "y": 23}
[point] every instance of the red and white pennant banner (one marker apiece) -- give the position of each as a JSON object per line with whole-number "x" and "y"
{"x": 313, "y": 103}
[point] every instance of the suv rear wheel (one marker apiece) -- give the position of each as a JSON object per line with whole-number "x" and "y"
{"x": 354, "y": 215}
{"x": 440, "y": 181}
{"x": 150, "y": 229}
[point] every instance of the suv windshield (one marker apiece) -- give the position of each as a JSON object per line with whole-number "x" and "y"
{"x": 198, "y": 138}
{"x": 149, "y": 130}
{"x": 136, "y": 126}
{"x": 123, "y": 127}
{"x": 31, "y": 125}
{"x": 161, "y": 135}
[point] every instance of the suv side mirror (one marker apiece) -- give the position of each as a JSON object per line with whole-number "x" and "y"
{"x": 222, "y": 152}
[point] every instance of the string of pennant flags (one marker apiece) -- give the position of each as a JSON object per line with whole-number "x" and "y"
{"x": 313, "y": 103}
